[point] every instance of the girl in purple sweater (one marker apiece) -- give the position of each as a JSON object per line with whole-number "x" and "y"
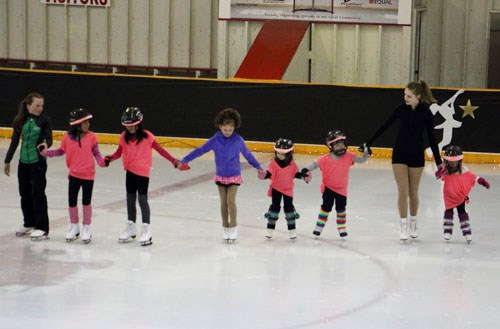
{"x": 227, "y": 146}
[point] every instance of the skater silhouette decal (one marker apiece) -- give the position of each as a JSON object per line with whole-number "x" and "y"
{"x": 447, "y": 111}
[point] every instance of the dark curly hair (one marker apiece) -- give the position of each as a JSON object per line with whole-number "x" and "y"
{"x": 228, "y": 116}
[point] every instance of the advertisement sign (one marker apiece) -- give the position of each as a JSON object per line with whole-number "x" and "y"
{"x": 93, "y": 3}
{"x": 380, "y": 12}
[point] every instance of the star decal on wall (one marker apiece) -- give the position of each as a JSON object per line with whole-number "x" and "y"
{"x": 468, "y": 109}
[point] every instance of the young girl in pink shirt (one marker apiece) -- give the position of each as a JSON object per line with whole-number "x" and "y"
{"x": 136, "y": 149}
{"x": 458, "y": 182}
{"x": 80, "y": 146}
{"x": 335, "y": 168}
{"x": 281, "y": 171}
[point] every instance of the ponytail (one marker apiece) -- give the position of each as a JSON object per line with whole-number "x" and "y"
{"x": 420, "y": 88}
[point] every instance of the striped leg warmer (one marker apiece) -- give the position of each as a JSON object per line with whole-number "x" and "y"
{"x": 341, "y": 221}
{"x": 448, "y": 222}
{"x": 320, "y": 224}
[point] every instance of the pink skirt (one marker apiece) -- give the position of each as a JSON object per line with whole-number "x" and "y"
{"x": 234, "y": 180}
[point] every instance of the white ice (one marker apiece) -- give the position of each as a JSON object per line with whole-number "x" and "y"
{"x": 190, "y": 278}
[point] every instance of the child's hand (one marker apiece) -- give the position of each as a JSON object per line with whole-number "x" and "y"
{"x": 42, "y": 148}
{"x": 176, "y": 163}
{"x": 365, "y": 149}
{"x": 308, "y": 177}
{"x": 107, "y": 160}
{"x": 261, "y": 174}
{"x": 441, "y": 172}
{"x": 102, "y": 163}
{"x": 183, "y": 167}
{"x": 483, "y": 182}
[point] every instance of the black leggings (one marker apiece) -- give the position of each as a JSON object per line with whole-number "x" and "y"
{"x": 136, "y": 184}
{"x": 276, "y": 197}
{"x": 74, "y": 187}
{"x": 330, "y": 197}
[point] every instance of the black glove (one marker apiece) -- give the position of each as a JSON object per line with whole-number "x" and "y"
{"x": 361, "y": 148}
{"x": 107, "y": 160}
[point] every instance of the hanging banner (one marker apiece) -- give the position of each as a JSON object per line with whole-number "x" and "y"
{"x": 93, "y": 3}
{"x": 380, "y": 12}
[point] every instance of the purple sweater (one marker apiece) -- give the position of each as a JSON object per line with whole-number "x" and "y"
{"x": 227, "y": 154}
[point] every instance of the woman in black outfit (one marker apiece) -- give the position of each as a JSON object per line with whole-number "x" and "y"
{"x": 408, "y": 159}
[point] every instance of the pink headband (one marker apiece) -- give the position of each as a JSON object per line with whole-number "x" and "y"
{"x": 336, "y": 140}
{"x": 80, "y": 120}
{"x": 454, "y": 158}
{"x": 133, "y": 123}
{"x": 283, "y": 150}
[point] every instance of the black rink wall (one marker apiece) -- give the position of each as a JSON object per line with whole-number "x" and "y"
{"x": 186, "y": 107}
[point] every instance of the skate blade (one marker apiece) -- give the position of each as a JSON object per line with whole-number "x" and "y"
{"x": 132, "y": 238}
{"x": 28, "y": 233}
{"x": 146, "y": 243}
{"x": 72, "y": 239}
{"x": 86, "y": 241}
{"x": 40, "y": 238}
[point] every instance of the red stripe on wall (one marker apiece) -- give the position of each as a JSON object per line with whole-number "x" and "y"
{"x": 272, "y": 50}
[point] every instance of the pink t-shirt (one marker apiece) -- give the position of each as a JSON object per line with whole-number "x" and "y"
{"x": 138, "y": 158}
{"x": 457, "y": 187}
{"x": 336, "y": 172}
{"x": 80, "y": 160}
{"x": 282, "y": 178}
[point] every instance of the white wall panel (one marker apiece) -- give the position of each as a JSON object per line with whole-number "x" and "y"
{"x": 77, "y": 34}
{"x": 201, "y": 34}
{"x": 453, "y": 60}
{"x": 476, "y": 44}
{"x": 298, "y": 69}
{"x": 369, "y": 54}
{"x": 237, "y": 45}
{"x": 391, "y": 62}
{"x": 215, "y": 34}
{"x": 431, "y": 43}
{"x": 36, "y": 31}
{"x": 495, "y": 5}
{"x": 323, "y": 52}
{"x": 346, "y": 54}
{"x": 4, "y": 44}
{"x": 138, "y": 33}
{"x": 118, "y": 41}
{"x": 57, "y": 33}
{"x": 180, "y": 18}
{"x": 17, "y": 30}
{"x": 98, "y": 35}
{"x": 159, "y": 32}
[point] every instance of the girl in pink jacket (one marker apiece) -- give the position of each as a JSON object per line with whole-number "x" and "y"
{"x": 281, "y": 171}
{"x": 458, "y": 182}
{"x": 335, "y": 168}
{"x": 136, "y": 150}
{"x": 80, "y": 146}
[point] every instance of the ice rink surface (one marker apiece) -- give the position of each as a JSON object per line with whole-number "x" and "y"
{"x": 190, "y": 278}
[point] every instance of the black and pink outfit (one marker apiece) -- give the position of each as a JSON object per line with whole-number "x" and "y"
{"x": 282, "y": 175}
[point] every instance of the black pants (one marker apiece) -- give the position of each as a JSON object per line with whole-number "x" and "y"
{"x": 74, "y": 187}
{"x": 276, "y": 202}
{"x": 32, "y": 183}
{"x": 330, "y": 197}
